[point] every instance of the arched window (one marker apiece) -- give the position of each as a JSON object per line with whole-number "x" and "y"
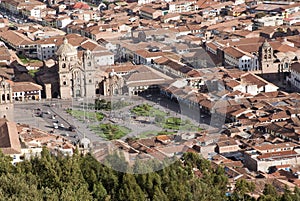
{"x": 64, "y": 83}
{"x": 64, "y": 65}
{"x": 286, "y": 65}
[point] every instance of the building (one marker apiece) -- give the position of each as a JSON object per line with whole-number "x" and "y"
{"x": 76, "y": 75}
{"x": 236, "y": 57}
{"x": 266, "y": 56}
{"x": 16, "y": 6}
{"x": 19, "y": 42}
{"x": 9, "y": 140}
{"x": 148, "y": 12}
{"x": 294, "y": 78}
{"x": 132, "y": 81}
{"x": 6, "y": 101}
{"x": 263, "y": 157}
{"x": 182, "y": 6}
{"x": 101, "y": 56}
{"x": 229, "y": 145}
{"x": 23, "y": 91}
{"x": 46, "y": 49}
{"x": 5, "y": 56}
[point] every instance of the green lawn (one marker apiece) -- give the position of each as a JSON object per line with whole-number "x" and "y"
{"x": 165, "y": 133}
{"x": 32, "y": 72}
{"x": 26, "y": 60}
{"x": 110, "y": 131}
{"x": 79, "y": 114}
{"x": 175, "y": 123}
{"x": 147, "y": 110}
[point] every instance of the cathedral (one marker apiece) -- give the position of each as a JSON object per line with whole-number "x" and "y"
{"x": 76, "y": 75}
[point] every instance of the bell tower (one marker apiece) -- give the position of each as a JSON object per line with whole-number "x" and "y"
{"x": 266, "y": 58}
{"x": 89, "y": 74}
{"x": 67, "y": 60}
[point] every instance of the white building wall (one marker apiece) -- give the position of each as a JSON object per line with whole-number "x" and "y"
{"x": 45, "y": 51}
{"x": 270, "y": 88}
{"x": 295, "y": 79}
{"x": 36, "y": 12}
{"x": 62, "y": 23}
{"x": 104, "y": 60}
{"x": 248, "y": 63}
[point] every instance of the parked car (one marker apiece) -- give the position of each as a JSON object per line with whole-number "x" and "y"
{"x": 65, "y": 134}
{"x": 55, "y": 125}
{"x": 72, "y": 128}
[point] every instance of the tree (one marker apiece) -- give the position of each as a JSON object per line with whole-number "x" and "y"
{"x": 130, "y": 189}
{"x": 287, "y": 195}
{"x": 296, "y": 195}
{"x": 270, "y": 190}
{"x": 260, "y": 15}
{"x": 242, "y": 188}
{"x": 5, "y": 164}
{"x": 269, "y": 193}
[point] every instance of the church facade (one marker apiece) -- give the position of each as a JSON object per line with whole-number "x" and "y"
{"x": 76, "y": 74}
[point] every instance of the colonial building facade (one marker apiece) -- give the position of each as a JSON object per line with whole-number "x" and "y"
{"x": 76, "y": 75}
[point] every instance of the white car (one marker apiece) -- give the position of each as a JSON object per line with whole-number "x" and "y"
{"x": 61, "y": 125}
{"x": 55, "y": 125}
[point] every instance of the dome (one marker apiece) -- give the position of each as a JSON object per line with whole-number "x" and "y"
{"x": 266, "y": 44}
{"x": 66, "y": 48}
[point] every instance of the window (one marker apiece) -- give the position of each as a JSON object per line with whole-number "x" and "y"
{"x": 65, "y": 83}
{"x": 63, "y": 65}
